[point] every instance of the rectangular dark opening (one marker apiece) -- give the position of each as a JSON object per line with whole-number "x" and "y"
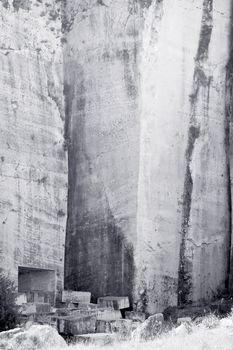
{"x": 39, "y": 285}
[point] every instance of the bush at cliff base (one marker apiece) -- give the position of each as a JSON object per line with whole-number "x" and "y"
{"x": 37, "y": 337}
{"x": 8, "y": 308}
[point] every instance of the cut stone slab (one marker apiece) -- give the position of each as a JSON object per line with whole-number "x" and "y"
{"x": 46, "y": 319}
{"x": 70, "y": 296}
{"x": 35, "y": 308}
{"x": 117, "y": 303}
{"x": 76, "y": 325}
{"x": 64, "y": 311}
{"x": 86, "y": 306}
{"x": 103, "y": 326}
{"x": 97, "y": 338}
{"x": 40, "y": 297}
{"x": 21, "y": 299}
{"x": 108, "y": 314}
{"x": 135, "y": 316}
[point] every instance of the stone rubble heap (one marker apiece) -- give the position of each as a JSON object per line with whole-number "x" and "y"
{"x": 78, "y": 320}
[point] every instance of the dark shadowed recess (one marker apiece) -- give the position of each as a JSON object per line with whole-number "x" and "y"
{"x": 98, "y": 259}
{"x": 97, "y": 256}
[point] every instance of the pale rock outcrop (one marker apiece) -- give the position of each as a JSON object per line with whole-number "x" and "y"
{"x": 37, "y": 337}
{"x": 33, "y": 165}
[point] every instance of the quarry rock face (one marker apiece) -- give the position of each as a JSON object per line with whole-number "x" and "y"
{"x": 102, "y": 134}
{"x": 139, "y": 94}
{"x": 148, "y": 140}
{"x": 33, "y": 164}
{"x": 183, "y": 216}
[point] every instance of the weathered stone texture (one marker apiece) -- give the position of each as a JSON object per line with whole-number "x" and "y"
{"x": 183, "y": 216}
{"x": 148, "y": 109}
{"x": 101, "y": 94}
{"x": 145, "y": 102}
{"x": 33, "y": 165}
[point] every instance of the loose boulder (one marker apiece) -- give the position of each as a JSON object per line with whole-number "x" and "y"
{"x": 37, "y": 337}
{"x": 149, "y": 329}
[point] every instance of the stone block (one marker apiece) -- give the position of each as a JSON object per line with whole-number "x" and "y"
{"x": 21, "y": 299}
{"x": 99, "y": 339}
{"x": 65, "y": 311}
{"x": 76, "y": 325}
{"x": 87, "y": 306}
{"x": 35, "y": 308}
{"x": 103, "y": 326}
{"x": 40, "y": 297}
{"x": 46, "y": 319}
{"x": 42, "y": 308}
{"x": 76, "y": 297}
{"x": 121, "y": 326}
{"x": 135, "y": 316}
{"x": 117, "y": 303}
{"x": 108, "y": 314}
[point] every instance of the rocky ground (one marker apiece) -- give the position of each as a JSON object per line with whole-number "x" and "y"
{"x": 76, "y": 320}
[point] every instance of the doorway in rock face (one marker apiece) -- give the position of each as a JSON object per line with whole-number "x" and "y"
{"x": 39, "y": 285}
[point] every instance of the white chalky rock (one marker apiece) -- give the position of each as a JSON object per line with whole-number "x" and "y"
{"x": 35, "y": 338}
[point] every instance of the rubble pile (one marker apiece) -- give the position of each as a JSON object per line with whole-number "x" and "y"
{"x": 77, "y": 319}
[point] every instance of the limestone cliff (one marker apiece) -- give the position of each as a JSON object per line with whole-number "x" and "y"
{"x": 149, "y": 197}
{"x": 142, "y": 92}
{"x": 101, "y": 94}
{"x": 33, "y": 165}
{"x": 183, "y": 194}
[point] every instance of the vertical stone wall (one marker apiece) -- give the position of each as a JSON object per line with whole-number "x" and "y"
{"x": 142, "y": 91}
{"x": 102, "y": 130}
{"x": 183, "y": 198}
{"x": 149, "y": 209}
{"x": 33, "y": 164}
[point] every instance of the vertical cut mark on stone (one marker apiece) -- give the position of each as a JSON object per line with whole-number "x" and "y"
{"x": 228, "y": 149}
{"x": 200, "y": 80}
